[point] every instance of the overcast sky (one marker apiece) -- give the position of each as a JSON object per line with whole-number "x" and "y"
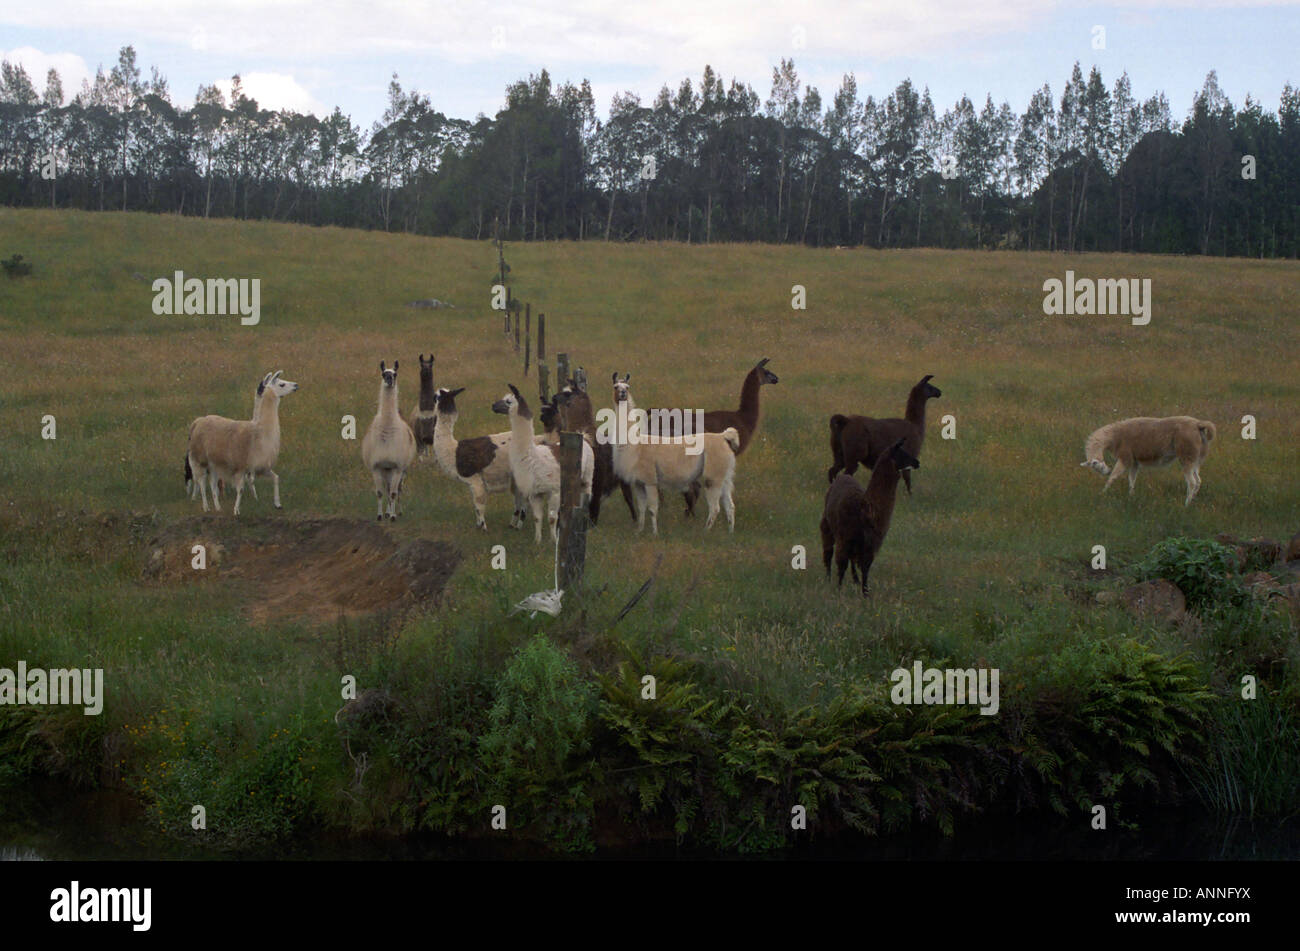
{"x": 311, "y": 55}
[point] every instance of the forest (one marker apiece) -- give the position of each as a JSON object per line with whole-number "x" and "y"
{"x": 1095, "y": 169}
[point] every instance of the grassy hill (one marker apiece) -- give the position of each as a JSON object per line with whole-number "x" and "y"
{"x": 986, "y": 563}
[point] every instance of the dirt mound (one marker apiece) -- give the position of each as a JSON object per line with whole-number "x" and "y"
{"x": 314, "y": 569}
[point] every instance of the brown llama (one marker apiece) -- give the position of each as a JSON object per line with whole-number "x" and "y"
{"x": 1150, "y": 441}
{"x": 855, "y": 521}
{"x": 425, "y": 417}
{"x": 577, "y": 416}
{"x": 860, "y": 440}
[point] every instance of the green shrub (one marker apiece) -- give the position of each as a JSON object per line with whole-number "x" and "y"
{"x": 1253, "y": 764}
{"x": 538, "y": 730}
{"x": 1203, "y": 569}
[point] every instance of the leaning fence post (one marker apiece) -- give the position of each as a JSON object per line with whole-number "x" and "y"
{"x": 573, "y": 520}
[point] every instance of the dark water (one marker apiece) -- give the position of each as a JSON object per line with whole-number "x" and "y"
{"x": 48, "y": 822}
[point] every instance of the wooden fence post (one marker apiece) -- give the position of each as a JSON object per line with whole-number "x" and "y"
{"x": 541, "y": 338}
{"x": 516, "y": 329}
{"x": 528, "y": 336}
{"x": 543, "y": 382}
{"x": 573, "y": 519}
{"x": 561, "y": 370}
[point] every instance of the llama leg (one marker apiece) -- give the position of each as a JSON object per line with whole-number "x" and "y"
{"x": 239, "y": 490}
{"x": 394, "y": 494}
{"x": 377, "y": 476}
{"x": 729, "y": 506}
{"x": 690, "y": 495}
{"x": 866, "y": 560}
{"x": 828, "y": 545}
{"x": 478, "y": 495}
{"x": 652, "y": 505}
{"x": 841, "y": 564}
{"x": 252, "y": 484}
{"x": 214, "y": 485}
{"x": 907, "y": 480}
{"x": 539, "y": 510}
{"x": 1114, "y": 473}
{"x": 553, "y": 514}
{"x": 638, "y": 514}
{"x": 712, "y": 495}
{"x": 275, "y": 485}
{"x": 1193, "y": 479}
{"x": 1132, "y": 478}
{"x": 628, "y": 497}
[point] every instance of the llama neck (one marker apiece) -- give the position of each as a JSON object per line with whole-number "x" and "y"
{"x": 428, "y": 401}
{"x": 521, "y": 432}
{"x": 881, "y": 492}
{"x": 268, "y": 413}
{"x": 444, "y": 441}
{"x": 387, "y": 400}
{"x": 916, "y": 401}
{"x": 749, "y": 398}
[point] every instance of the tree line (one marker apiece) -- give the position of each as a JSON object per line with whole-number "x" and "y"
{"x": 1096, "y": 169}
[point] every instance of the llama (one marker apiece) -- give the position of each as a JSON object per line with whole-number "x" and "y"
{"x": 192, "y": 487}
{"x": 1151, "y": 441}
{"x": 389, "y": 446}
{"x": 861, "y": 439}
{"x": 648, "y": 465}
{"x": 226, "y": 451}
{"x": 536, "y": 468}
{"x": 855, "y": 522}
{"x": 482, "y": 463}
{"x": 424, "y": 418}
{"x": 745, "y": 419}
{"x": 576, "y": 416}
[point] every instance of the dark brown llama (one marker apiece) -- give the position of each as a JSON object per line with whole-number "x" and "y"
{"x": 855, "y": 521}
{"x": 424, "y": 418}
{"x": 860, "y": 440}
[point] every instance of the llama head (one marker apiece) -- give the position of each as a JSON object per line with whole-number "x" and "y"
{"x": 928, "y": 390}
{"x": 389, "y": 376}
{"x": 274, "y": 384}
{"x": 764, "y": 374}
{"x": 512, "y": 403}
{"x": 426, "y": 369}
{"x": 902, "y": 459}
{"x": 622, "y": 389}
{"x": 550, "y": 415}
{"x": 446, "y": 400}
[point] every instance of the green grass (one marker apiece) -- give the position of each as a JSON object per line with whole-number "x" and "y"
{"x": 974, "y": 572}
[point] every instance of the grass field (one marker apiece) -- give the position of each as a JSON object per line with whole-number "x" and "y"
{"x": 983, "y": 566}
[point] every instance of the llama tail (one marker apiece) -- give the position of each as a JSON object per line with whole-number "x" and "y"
{"x": 732, "y": 435}
{"x": 1208, "y": 432}
{"x": 1095, "y": 450}
{"x": 189, "y": 473}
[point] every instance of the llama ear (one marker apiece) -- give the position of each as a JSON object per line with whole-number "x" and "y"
{"x": 456, "y": 392}
{"x": 627, "y": 377}
{"x": 514, "y": 390}
{"x": 394, "y": 366}
{"x": 763, "y": 362}
{"x": 382, "y": 368}
{"x": 615, "y": 376}
{"x": 275, "y": 376}
{"x": 927, "y": 378}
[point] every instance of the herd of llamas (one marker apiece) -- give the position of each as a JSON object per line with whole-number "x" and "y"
{"x": 525, "y": 464}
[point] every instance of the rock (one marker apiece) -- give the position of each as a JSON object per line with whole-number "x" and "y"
{"x": 1260, "y": 583}
{"x": 430, "y": 303}
{"x": 1262, "y": 552}
{"x": 1293, "y": 548}
{"x": 1161, "y": 599}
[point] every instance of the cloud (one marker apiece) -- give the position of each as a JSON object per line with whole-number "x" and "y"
{"x": 72, "y": 68}
{"x": 276, "y": 91}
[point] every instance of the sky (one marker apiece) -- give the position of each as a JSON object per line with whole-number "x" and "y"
{"x": 311, "y": 55}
